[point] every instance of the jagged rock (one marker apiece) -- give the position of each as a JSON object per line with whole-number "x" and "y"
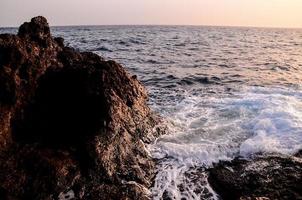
{"x": 36, "y": 30}
{"x": 263, "y": 177}
{"x": 72, "y": 125}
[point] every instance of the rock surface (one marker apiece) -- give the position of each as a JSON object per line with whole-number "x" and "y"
{"x": 72, "y": 125}
{"x": 263, "y": 177}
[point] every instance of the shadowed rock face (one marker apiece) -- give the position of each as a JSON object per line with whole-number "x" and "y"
{"x": 71, "y": 123}
{"x": 263, "y": 177}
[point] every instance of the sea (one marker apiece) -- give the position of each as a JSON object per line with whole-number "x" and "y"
{"x": 223, "y": 92}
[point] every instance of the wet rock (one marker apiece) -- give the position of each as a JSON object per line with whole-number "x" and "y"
{"x": 299, "y": 154}
{"x": 72, "y": 125}
{"x": 263, "y": 177}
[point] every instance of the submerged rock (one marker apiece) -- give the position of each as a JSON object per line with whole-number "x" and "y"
{"x": 263, "y": 177}
{"x": 72, "y": 125}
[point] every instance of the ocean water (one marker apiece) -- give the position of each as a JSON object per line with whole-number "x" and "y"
{"x": 223, "y": 92}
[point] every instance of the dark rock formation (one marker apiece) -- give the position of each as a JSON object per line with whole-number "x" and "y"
{"x": 263, "y": 177}
{"x": 72, "y": 125}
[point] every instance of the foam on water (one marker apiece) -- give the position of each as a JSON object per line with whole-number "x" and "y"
{"x": 277, "y": 126}
{"x": 204, "y": 130}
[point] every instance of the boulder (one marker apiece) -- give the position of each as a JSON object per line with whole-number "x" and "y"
{"x": 72, "y": 125}
{"x": 261, "y": 177}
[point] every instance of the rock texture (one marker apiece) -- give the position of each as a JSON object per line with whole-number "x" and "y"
{"x": 263, "y": 177}
{"x": 72, "y": 125}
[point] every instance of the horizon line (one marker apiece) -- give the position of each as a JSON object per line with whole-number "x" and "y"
{"x": 191, "y": 25}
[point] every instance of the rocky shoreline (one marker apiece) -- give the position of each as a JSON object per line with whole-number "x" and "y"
{"x": 73, "y": 126}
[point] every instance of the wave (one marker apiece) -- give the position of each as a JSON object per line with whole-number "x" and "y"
{"x": 199, "y": 80}
{"x": 206, "y": 129}
{"x": 102, "y": 48}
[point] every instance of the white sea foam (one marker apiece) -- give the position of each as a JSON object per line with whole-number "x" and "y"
{"x": 277, "y": 127}
{"x": 204, "y": 130}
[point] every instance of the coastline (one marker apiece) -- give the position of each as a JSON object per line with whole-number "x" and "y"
{"x": 74, "y": 126}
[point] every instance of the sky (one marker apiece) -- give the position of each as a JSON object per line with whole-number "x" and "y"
{"x": 257, "y": 13}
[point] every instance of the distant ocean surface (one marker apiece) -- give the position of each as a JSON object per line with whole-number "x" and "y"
{"x": 224, "y": 92}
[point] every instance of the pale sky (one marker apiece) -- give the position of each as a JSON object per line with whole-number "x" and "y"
{"x": 260, "y": 13}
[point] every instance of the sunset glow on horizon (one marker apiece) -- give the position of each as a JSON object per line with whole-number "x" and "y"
{"x": 259, "y": 13}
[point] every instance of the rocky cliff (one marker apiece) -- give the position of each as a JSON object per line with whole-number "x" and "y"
{"x": 72, "y": 125}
